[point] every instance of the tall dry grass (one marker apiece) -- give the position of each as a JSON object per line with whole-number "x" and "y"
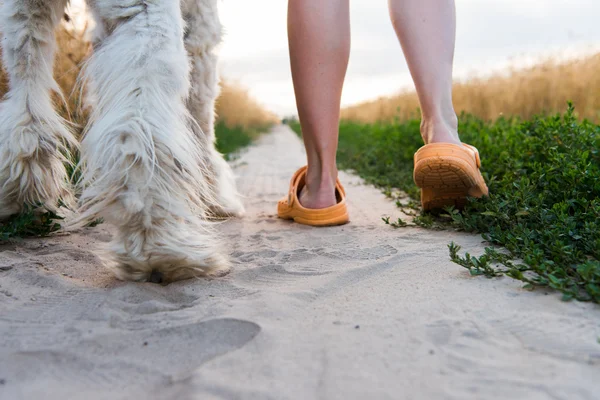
{"x": 235, "y": 107}
{"x": 542, "y": 89}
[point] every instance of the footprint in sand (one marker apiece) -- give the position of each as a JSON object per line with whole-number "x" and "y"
{"x": 119, "y": 361}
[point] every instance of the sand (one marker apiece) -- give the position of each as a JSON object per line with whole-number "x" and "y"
{"x": 354, "y": 312}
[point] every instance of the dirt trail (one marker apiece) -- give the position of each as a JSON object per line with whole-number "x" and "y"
{"x": 353, "y": 312}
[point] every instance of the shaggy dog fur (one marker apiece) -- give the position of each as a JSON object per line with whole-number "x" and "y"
{"x": 148, "y": 161}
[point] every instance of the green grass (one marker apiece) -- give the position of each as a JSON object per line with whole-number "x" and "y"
{"x": 29, "y": 223}
{"x": 39, "y": 224}
{"x": 542, "y": 217}
{"x": 232, "y": 139}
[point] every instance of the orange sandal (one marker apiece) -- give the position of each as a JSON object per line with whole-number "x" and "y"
{"x": 291, "y": 209}
{"x": 447, "y": 174}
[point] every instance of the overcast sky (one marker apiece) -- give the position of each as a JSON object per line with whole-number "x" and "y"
{"x": 491, "y": 34}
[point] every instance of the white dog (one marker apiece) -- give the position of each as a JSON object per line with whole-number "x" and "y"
{"x": 148, "y": 160}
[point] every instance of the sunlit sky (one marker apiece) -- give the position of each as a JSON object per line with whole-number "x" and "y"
{"x": 491, "y": 35}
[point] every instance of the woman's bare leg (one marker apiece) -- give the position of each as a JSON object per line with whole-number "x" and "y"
{"x": 319, "y": 38}
{"x": 319, "y": 35}
{"x": 427, "y": 29}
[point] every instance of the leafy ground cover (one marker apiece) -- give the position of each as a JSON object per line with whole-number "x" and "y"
{"x": 542, "y": 218}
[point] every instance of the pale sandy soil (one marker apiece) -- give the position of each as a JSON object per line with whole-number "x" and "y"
{"x": 355, "y": 312}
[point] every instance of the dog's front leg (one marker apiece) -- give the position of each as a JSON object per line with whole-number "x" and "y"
{"x": 141, "y": 163}
{"x": 203, "y": 34}
{"x": 34, "y": 140}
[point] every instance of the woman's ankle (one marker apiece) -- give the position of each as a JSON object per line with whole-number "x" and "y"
{"x": 319, "y": 188}
{"x": 440, "y": 130}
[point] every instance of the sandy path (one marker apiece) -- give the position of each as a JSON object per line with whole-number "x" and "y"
{"x": 354, "y": 312}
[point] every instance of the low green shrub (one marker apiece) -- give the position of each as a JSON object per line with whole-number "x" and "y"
{"x": 543, "y": 212}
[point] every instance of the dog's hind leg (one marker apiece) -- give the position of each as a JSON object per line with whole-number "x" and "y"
{"x": 34, "y": 140}
{"x": 203, "y": 33}
{"x": 142, "y": 166}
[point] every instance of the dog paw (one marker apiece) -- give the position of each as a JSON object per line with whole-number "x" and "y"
{"x": 226, "y": 201}
{"x": 165, "y": 253}
{"x": 234, "y": 210}
{"x": 33, "y": 154}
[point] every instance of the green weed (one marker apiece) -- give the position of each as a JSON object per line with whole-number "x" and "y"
{"x": 232, "y": 139}
{"x": 29, "y": 223}
{"x": 544, "y": 203}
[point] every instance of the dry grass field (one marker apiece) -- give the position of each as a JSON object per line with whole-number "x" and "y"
{"x": 542, "y": 89}
{"x": 235, "y": 107}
